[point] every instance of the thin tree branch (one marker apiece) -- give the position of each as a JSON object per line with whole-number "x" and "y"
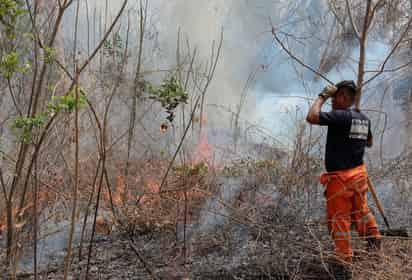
{"x": 352, "y": 20}
{"x": 3, "y": 185}
{"x": 192, "y": 115}
{"x": 400, "y": 67}
{"x": 394, "y": 48}
{"x": 13, "y": 97}
{"x": 362, "y": 54}
{"x": 88, "y": 60}
{"x": 373, "y": 13}
{"x": 68, "y": 260}
{"x": 141, "y": 258}
{"x": 136, "y": 86}
{"x": 298, "y": 60}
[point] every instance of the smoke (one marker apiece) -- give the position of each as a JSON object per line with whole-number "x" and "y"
{"x": 53, "y": 240}
{"x": 202, "y": 22}
{"x": 252, "y": 68}
{"x": 249, "y": 48}
{"x": 216, "y": 211}
{"x": 245, "y": 41}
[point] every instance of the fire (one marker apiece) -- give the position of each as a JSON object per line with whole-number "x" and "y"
{"x": 203, "y": 151}
{"x": 2, "y": 225}
{"x": 120, "y": 195}
{"x": 196, "y": 194}
{"x": 48, "y": 193}
{"x": 144, "y": 190}
{"x": 153, "y": 186}
{"x": 120, "y": 191}
{"x": 153, "y": 189}
{"x": 18, "y": 219}
{"x": 104, "y": 225}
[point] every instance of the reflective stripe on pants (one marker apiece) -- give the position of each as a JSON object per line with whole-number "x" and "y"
{"x": 346, "y": 203}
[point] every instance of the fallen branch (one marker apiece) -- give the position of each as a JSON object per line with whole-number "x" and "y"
{"x": 141, "y": 258}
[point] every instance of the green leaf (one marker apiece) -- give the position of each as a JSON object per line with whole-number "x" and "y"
{"x": 10, "y": 11}
{"x": 50, "y": 55}
{"x": 9, "y": 64}
{"x": 170, "y": 95}
{"x": 66, "y": 103}
{"x": 24, "y": 126}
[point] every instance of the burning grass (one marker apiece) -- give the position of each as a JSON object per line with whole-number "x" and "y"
{"x": 253, "y": 219}
{"x": 142, "y": 207}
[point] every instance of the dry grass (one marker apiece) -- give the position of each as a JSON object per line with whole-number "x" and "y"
{"x": 269, "y": 225}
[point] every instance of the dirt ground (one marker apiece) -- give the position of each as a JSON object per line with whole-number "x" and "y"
{"x": 214, "y": 256}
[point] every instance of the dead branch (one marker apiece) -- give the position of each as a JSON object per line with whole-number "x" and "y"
{"x": 396, "y": 69}
{"x": 68, "y": 260}
{"x": 362, "y": 53}
{"x": 192, "y": 115}
{"x": 106, "y": 35}
{"x": 393, "y": 50}
{"x": 352, "y": 21}
{"x": 298, "y": 60}
{"x": 136, "y": 83}
{"x": 142, "y": 259}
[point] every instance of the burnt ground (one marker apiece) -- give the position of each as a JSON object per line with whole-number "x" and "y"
{"x": 247, "y": 254}
{"x": 254, "y": 240}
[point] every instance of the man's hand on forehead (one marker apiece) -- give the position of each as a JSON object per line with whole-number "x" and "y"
{"x": 328, "y": 91}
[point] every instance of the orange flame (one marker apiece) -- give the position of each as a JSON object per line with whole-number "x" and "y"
{"x": 2, "y": 224}
{"x": 203, "y": 151}
{"x": 153, "y": 186}
{"x": 120, "y": 191}
{"x": 15, "y": 216}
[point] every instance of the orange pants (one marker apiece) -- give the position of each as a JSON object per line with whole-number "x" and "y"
{"x": 346, "y": 203}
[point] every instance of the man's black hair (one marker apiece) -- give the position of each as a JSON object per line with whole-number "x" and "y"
{"x": 349, "y": 84}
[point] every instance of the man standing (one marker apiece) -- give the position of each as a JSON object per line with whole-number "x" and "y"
{"x": 346, "y": 177}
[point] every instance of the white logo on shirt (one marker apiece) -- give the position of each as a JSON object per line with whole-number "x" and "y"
{"x": 359, "y": 129}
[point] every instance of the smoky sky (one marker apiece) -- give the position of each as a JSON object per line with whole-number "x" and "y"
{"x": 250, "y": 51}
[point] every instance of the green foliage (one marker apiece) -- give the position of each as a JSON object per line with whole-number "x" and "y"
{"x": 10, "y": 10}
{"x": 23, "y": 126}
{"x": 50, "y": 55}
{"x": 66, "y": 103}
{"x": 170, "y": 94}
{"x": 199, "y": 169}
{"x": 11, "y": 64}
{"x": 113, "y": 47}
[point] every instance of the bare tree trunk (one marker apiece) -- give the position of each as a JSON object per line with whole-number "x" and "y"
{"x": 37, "y": 86}
{"x": 362, "y": 52}
{"x": 409, "y": 121}
{"x": 68, "y": 260}
{"x": 35, "y": 222}
{"x": 136, "y": 86}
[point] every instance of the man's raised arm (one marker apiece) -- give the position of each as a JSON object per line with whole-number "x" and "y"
{"x": 313, "y": 114}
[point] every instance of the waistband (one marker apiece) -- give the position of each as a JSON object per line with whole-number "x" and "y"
{"x": 344, "y": 174}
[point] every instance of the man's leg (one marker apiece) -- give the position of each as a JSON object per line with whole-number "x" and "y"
{"x": 339, "y": 208}
{"x": 365, "y": 221}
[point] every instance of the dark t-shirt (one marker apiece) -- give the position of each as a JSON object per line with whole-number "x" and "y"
{"x": 348, "y": 132}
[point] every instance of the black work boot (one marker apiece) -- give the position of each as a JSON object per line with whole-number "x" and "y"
{"x": 341, "y": 271}
{"x": 374, "y": 244}
{"x": 374, "y": 249}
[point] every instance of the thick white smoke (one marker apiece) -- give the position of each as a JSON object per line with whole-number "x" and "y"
{"x": 278, "y": 84}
